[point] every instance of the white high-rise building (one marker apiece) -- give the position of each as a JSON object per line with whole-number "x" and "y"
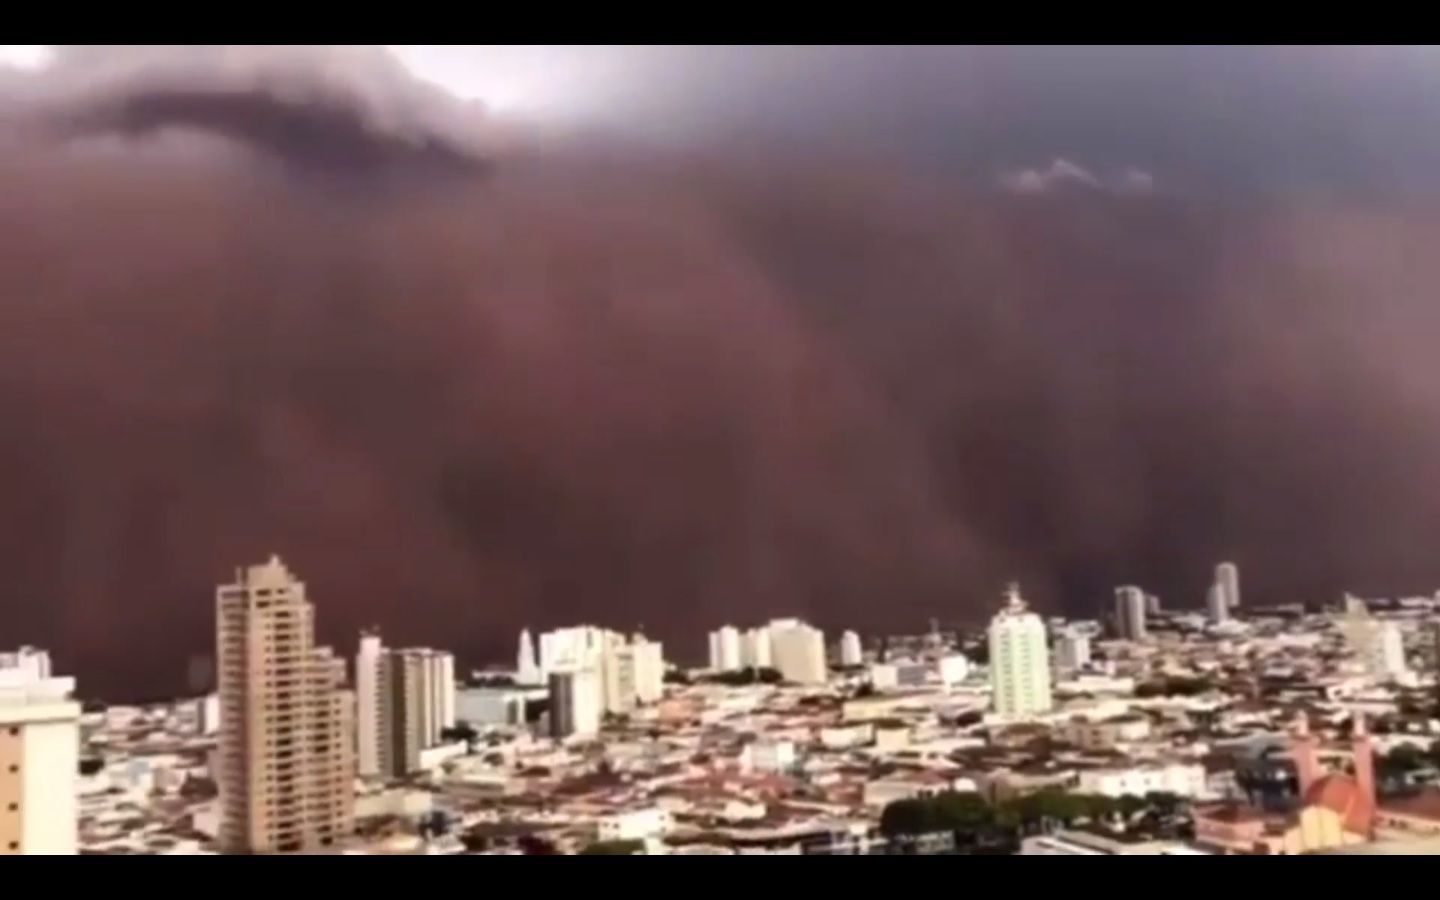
{"x": 370, "y": 702}
{"x": 39, "y": 758}
{"x": 725, "y": 649}
{"x": 577, "y": 647}
{"x": 649, "y": 662}
{"x": 1072, "y": 649}
{"x": 1377, "y": 643}
{"x": 527, "y": 670}
{"x": 757, "y": 649}
{"x": 851, "y": 653}
{"x": 1385, "y": 657}
{"x": 1227, "y": 576}
{"x": 1216, "y": 609}
{"x": 617, "y": 676}
{"x": 797, "y": 651}
{"x": 405, "y": 699}
{"x": 1130, "y": 606}
{"x": 1152, "y": 605}
{"x": 576, "y": 703}
{"x": 1019, "y": 660}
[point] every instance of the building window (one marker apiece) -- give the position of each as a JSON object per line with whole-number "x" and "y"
{"x": 14, "y": 731}
{"x": 14, "y": 845}
{"x": 12, "y": 806}
{"x": 14, "y": 767}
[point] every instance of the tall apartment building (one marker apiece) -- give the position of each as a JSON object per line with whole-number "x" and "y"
{"x": 405, "y": 700}
{"x": 755, "y": 649}
{"x": 1019, "y": 660}
{"x": 629, "y": 672}
{"x": 1227, "y": 578}
{"x": 797, "y": 651}
{"x": 851, "y": 652}
{"x": 576, "y": 703}
{"x": 39, "y": 758}
{"x": 725, "y": 653}
{"x": 1130, "y": 609}
{"x": 286, "y": 760}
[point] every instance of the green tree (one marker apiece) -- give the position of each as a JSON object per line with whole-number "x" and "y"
{"x": 906, "y": 818}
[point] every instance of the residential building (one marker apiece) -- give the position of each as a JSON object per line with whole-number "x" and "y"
{"x": 1130, "y": 606}
{"x": 1217, "y": 610}
{"x": 405, "y": 700}
{"x": 725, "y": 649}
{"x": 1227, "y": 577}
{"x": 649, "y": 661}
{"x": 798, "y": 651}
{"x": 286, "y": 758}
{"x": 39, "y": 758}
{"x": 371, "y": 700}
{"x": 851, "y": 653}
{"x": 1019, "y": 660}
{"x": 1072, "y": 650}
{"x": 755, "y": 652}
{"x": 576, "y": 703}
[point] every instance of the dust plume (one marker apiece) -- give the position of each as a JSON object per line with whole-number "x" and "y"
{"x": 669, "y": 388}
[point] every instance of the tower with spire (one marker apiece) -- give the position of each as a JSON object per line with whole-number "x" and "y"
{"x": 527, "y": 670}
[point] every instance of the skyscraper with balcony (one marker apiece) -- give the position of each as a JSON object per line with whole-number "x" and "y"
{"x": 286, "y": 760}
{"x": 1019, "y": 660}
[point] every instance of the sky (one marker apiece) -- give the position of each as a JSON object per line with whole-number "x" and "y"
{"x": 486, "y": 338}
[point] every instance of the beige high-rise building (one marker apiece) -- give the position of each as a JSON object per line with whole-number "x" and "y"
{"x": 39, "y": 757}
{"x": 286, "y": 761}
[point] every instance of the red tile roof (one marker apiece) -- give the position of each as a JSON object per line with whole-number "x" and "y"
{"x": 1342, "y": 794}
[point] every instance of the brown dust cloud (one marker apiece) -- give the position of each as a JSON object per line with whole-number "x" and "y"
{"x": 862, "y": 354}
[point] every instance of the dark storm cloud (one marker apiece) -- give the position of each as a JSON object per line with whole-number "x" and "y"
{"x": 851, "y": 378}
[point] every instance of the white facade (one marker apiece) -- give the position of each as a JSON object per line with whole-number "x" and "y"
{"x": 797, "y": 651}
{"x": 649, "y": 661}
{"x": 851, "y": 653}
{"x": 755, "y": 651}
{"x": 954, "y": 669}
{"x": 207, "y": 714}
{"x": 1019, "y": 660}
{"x": 1072, "y": 650}
{"x": 40, "y": 747}
{"x": 1383, "y": 649}
{"x": 573, "y": 648}
{"x": 405, "y": 700}
{"x": 1227, "y": 577}
{"x": 634, "y": 825}
{"x": 576, "y": 703}
{"x": 1130, "y": 609}
{"x": 527, "y": 669}
{"x": 31, "y": 660}
{"x": 1216, "y": 609}
{"x": 725, "y": 649}
{"x": 1180, "y": 779}
{"x": 884, "y": 676}
{"x": 368, "y": 705}
{"x": 484, "y": 706}
{"x": 768, "y": 757}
